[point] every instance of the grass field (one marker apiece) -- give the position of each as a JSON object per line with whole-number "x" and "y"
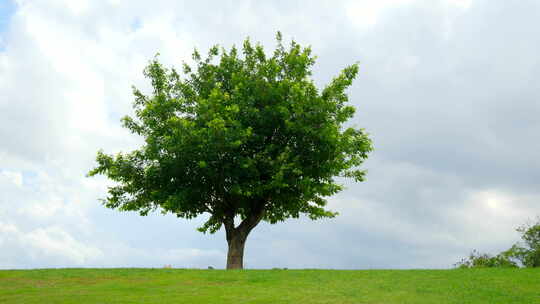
{"x": 269, "y": 286}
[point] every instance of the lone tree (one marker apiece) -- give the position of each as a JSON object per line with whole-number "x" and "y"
{"x": 243, "y": 137}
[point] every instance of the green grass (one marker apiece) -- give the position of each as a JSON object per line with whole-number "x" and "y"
{"x": 269, "y": 286}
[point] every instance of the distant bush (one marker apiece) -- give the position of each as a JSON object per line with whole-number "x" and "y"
{"x": 485, "y": 260}
{"x": 528, "y": 251}
{"x": 525, "y": 253}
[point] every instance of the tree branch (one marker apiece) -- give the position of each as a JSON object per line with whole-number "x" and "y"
{"x": 252, "y": 219}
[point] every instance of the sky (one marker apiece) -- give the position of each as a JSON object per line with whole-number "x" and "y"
{"x": 449, "y": 91}
{"x": 6, "y": 10}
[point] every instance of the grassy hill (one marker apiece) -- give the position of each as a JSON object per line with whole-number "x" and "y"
{"x": 270, "y": 286}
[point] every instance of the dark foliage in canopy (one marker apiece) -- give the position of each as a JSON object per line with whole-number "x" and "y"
{"x": 235, "y": 134}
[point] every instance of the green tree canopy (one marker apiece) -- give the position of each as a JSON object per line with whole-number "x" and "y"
{"x": 239, "y": 134}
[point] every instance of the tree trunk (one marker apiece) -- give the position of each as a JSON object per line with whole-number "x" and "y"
{"x": 235, "y": 254}
{"x": 237, "y": 236}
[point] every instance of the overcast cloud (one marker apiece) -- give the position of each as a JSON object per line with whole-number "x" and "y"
{"x": 449, "y": 91}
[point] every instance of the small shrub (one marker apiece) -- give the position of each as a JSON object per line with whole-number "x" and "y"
{"x": 485, "y": 260}
{"x": 528, "y": 251}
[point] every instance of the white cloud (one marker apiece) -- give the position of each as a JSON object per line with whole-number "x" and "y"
{"x": 486, "y": 210}
{"x": 464, "y": 4}
{"x": 50, "y": 246}
{"x": 15, "y": 178}
{"x": 53, "y": 241}
{"x": 366, "y": 13}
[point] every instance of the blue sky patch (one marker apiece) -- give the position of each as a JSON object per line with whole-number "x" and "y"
{"x": 136, "y": 24}
{"x": 7, "y": 9}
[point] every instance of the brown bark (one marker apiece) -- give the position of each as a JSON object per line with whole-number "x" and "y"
{"x": 235, "y": 254}
{"x": 237, "y": 236}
